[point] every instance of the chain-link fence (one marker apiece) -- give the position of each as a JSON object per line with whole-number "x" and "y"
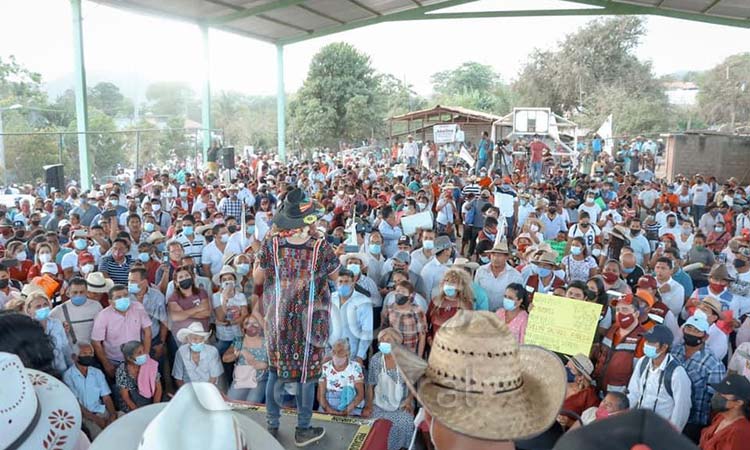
{"x": 27, "y": 153}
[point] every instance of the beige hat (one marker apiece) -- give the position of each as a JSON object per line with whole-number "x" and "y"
{"x": 545, "y": 257}
{"x": 224, "y": 270}
{"x": 347, "y": 256}
{"x": 583, "y": 364}
{"x": 155, "y": 236}
{"x": 98, "y": 284}
{"x": 228, "y": 259}
{"x": 31, "y": 288}
{"x": 195, "y": 328}
{"x": 501, "y": 246}
{"x": 463, "y": 262}
{"x": 477, "y": 373}
{"x": 202, "y": 229}
{"x": 719, "y": 272}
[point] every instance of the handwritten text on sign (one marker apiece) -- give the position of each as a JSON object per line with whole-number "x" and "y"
{"x": 562, "y": 325}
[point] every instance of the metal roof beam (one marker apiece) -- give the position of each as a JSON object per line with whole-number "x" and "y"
{"x": 710, "y": 6}
{"x": 254, "y": 11}
{"x": 675, "y": 14}
{"x": 399, "y": 15}
{"x": 517, "y": 13}
{"x": 365, "y": 7}
{"x": 321, "y": 14}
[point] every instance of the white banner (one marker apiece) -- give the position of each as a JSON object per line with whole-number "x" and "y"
{"x": 605, "y": 132}
{"x": 422, "y": 220}
{"x": 444, "y": 134}
{"x": 466, "y": 156}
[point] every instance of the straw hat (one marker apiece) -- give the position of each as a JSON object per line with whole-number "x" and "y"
{"x": 228, "y": 259}
{"x": 155, "y": 236}
{"x": 195, "y": 328}
{"x": 463, "y": 262}
{"x": 477, "y": 373}
{"x": 719, "y": 272}
{"x": 501, "y": 246}
{"x": 98, "y": 284}
{"x": 227, "y": 269}
{"x": 37, "y": 410}
{"x": 583, "y": 364}
{"x": 545, "y": 257}
{"x": 713, "y": 303}
{"x": 197, "y": 407}
{"x": 347, "y": 256}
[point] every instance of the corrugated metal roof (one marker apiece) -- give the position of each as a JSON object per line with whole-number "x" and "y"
{"x": 437, "y": 109}
{"x": 289, "y": 21}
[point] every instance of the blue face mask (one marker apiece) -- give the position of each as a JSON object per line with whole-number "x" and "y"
{"x": 484, "y": 259}
{"x": 353, "y": 268}
{"x": 449, "y": 290}
{"x": 197, "y": 347}
{"x": 243, "y": 269}
{"x": 543, "y": 272}
{"x": 148, "y": 227}
{"x": 141, "y": 360}
{"x": 122, "y": 304}
{"x": 650, "y": 351}
{"x": 384, "y": 347}
{"x": 144, "y": 257}
{"x": 375, "y": 249}
{"x": 81, "y": 244}
{"x": 345, "y": 290}
{"x": 78, "y": 300}
{"x": 571, "y": 376}
{"x": 575, "y": 251}
{"x": 628, "y": 270}
{"x": 187, "y": 230}
{"x": 133, "y": 288}
{"x": 250, "y": 230}
{"x": 161, "y": 247}
{"x": 428, "y": 245}
{"x": 509, "y": 304}
{"x": 42, "y": 313}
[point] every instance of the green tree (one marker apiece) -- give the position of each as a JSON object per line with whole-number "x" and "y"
{"x": 468, "y": 77}
{"x": 171, "y": 98}
{"x": 106, "y": 148}
{"x": 724, "y": 96}
{"x": 339, "y": 100}
{"x": 19, "y": 85}
{"x": 107, "y": 98}
{"x": 597, "y": 60}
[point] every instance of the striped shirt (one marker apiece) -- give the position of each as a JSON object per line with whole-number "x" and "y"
{"x": 471, "y": 189}
{"x": 117, "y": 272}
{"x": 194, "y": 248}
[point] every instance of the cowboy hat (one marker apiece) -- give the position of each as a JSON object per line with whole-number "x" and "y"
{"x": 713, "y": 303}
{"x": 719, "y": 272}
{"x": 501, "y": 246}
{"x": 545, "y": 257}
{"x": 227, "y": 269}
{"x": 228, "y": 259}
{"x": 36, "y": 410}
{"x": 463, "y": 262}
{"x": 583, "y": 364}
{"x": 98, "y": 284}
{"x": 478, "y": 373}
{"x": 621, "y": 232}
{"x": 297, "y": 211}
{"x": 203, "y": 228}
{"x": 347, "y": 256}
{"x": 155, "y": 236}
{"x": 195, "y": 328}
{"x": 197, "y": 407}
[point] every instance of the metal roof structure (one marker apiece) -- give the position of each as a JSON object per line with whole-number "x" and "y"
{"x": 453, "y": 111}
{"x": 288, "y": 21}
{"x": 284, "y": 22}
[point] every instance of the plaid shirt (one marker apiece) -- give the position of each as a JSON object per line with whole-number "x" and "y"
{"x": 229, "y": 207}
{"x": 704, "y": 369}
{"x": 411, "y": 324}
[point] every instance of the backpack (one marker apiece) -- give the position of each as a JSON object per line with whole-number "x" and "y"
{"x": 666, "y": 374}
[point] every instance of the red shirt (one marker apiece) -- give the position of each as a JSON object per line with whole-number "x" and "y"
{"x": 537, "y": 148}
{"x": 733, "y": 437}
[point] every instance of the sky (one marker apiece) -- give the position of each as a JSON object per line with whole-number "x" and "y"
{"x": 143, "y": 48}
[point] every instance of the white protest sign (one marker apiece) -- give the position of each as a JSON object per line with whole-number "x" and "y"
{"x": 504, "y": 202}
{"x": 410, "y": 224}
{"x": 466, "y": 156}
{"x": 444, "y": 134}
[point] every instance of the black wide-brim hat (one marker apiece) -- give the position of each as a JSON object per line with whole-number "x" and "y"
{"x": 297, "y": 211}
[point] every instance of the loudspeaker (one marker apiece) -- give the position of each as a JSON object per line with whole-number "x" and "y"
{"x": 54, "y": 177}
{"x": 227, "y": 157}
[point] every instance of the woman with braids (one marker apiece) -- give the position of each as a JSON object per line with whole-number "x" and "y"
{"x": 294, "y": 265}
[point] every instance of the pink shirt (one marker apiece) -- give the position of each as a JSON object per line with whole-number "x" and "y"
{"x": 114, "y": 328}
{"x": 186, "y": 303}
{"x": 517, "y": 326}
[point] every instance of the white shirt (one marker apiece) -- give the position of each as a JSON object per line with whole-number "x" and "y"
{"x": 411, "y": 150}
{"x": 743, "y": 223}
{"x": 645, "y": 392}
{"x": 675, "y": 298}
{"x": 648, "y": 198}
{"x": 495, "y": 286}
{"x": 641, "y": 248}
{"x": 212, "y": 256}
{"x": 613, "y": 218}
{"x": 699, "y": 192}
{"x": 445, "y": 212}
{"x": 234, "y": 244}
{"x": 684, "y": 246}
{"x": 589, "y": 236}
{"x": 432, "y": 274}
{"x": 593, "y": 209}
{"x": 418, "y": 260}
{"x": 717, "y": 342}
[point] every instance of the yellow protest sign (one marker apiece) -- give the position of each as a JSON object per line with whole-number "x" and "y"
{"x": 562, "y": 324}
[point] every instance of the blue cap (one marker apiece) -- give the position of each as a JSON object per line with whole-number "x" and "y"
{"x": 697, "y": 321}
{"x": 659, "y": 334}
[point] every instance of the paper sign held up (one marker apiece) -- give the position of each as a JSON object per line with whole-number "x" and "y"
{"x": 410, "y": 224}
{"x": 562, "y": 325}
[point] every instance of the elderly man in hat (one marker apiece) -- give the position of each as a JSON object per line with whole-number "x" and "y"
{"x": 433, "y": 271}
{"x": 703, "y": 368}
{"x": 718, "y": 283}
{"x": 296, "y": 299}
{"x": 495, "y": 277}
{"x": 659, "y": 382}
{"x": 477, "y": 373}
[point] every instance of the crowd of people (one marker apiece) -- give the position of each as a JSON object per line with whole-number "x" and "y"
{"x": 294, "y": 285}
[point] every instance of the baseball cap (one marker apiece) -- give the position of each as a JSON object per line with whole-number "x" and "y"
{"x": 647, "y": 282}
{"x": 734, "y": 384}
{"x": 442, "y": 243}
{"x": 403, "y": 257}
{"x": 697, "y": 321}
{"x": 404, "y": 240}
{"x": 659, "y": 334}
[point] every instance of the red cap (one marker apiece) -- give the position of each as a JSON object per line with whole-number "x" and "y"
{"x": 669, "y": 236}
{"x": 647, "y": 281}
{"x": 85, "y": 257}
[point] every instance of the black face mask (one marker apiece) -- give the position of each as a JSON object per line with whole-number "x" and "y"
{"x": 402, "y": 299}
{"x": 584, "y": 224}
{"x": 693, "y": 341}
{"x": 209, "y": 238}
{"x": 4, "y": 283}
{"x": 86, "y": 360}
{"x": 671, "y": 224}
{"x": 739, "y": 263}
{"x": 232, "y": 228}
{"x": 718, "y": 403}
{"x": 635, "y": 232}
{"x": 35, "y": 223}
{"x": 187, "y": 283}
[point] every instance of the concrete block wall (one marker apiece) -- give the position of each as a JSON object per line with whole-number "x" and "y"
{"x": 720, "y": 155}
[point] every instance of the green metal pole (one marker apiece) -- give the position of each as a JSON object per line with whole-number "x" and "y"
{"x": 280, "y": 103}
{"x": 82, "y": 117}
{"x": 206, "y": 107}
